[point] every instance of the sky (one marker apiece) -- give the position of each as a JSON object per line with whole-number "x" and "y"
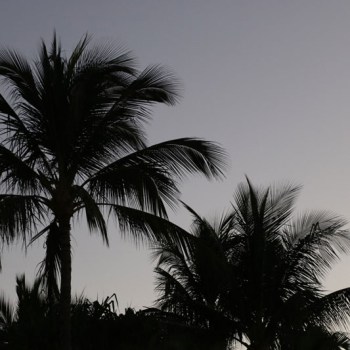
{"x": 267, "y": 79}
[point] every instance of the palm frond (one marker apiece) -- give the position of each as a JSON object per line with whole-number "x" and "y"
{"x": 277, "y": 203}
{"x": 16, "y": 174}
{"x": 173, "y": 296}
{"x": 176, "y": 260}
{"x": 142, "y": 186}
{"x": 153, "y": 85}
{"x": 332, "y": 311}
{"x": 94, "y": 217}
{"x": 19, "y": 215}
{"x": 21, "y": 139}
{"x": 314, "y": 242}
{"x": 122, "y": 134}
{"x": 179, "y": 157}
{"x": 76, "y": 54}
{"x": 16, "y": 70}
{"x": 103, "y": 61}
{"x": 146, "y": 227}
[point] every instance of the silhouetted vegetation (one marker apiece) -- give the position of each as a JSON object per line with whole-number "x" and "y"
{"x": 95, "y": 325}
{"x": 253, "y": 278}
{"x": 255, "y": 275}
{"x": 73, "y": 142}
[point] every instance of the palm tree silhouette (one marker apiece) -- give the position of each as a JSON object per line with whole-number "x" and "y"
{"x": 73, "y": 142}
{"x": 255, "y": 276}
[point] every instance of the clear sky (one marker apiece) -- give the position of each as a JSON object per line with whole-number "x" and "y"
{"x": 268, "y": 79}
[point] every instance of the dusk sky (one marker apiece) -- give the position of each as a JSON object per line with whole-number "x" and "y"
{"x": 267, "y": 79}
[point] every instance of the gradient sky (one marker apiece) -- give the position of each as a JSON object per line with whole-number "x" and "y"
{"x": 267, "y": 79}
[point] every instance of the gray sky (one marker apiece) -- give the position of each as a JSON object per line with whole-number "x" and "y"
{"x": 268, "y": 79}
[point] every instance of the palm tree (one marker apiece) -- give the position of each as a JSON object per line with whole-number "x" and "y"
{"x": 257, "y": 275}
{"x": 283, "y": 264}
{"x": 73, "y": 142}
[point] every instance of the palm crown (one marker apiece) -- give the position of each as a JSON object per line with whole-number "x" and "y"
{"x": 255, "y": 276}
{"x": 73, "y": 141}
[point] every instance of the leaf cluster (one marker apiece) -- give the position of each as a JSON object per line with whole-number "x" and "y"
{"x": 255, "y": 276}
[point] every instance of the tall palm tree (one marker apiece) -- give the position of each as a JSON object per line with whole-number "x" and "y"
{"x": 73, "y": 142}
{"x": 260, "y": 278}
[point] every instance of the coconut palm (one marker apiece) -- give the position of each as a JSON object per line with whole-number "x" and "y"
{"x": 73, "y": 143}
{"x": 259, "y": 281}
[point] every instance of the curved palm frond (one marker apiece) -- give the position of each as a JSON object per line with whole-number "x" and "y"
{"x": 142, "y": 186}
{"x": 19, "y": 215}
{"x": 314, "y": 242}
{"x": 21, "y": 139}
{"x": 177, "y": 157}
{"x": 94, "y": 217}
{"x": 147, "y": 227}
{"x": 15, "y": 69}
{"x": 331, "y": 311}
{"x": 174, "y": 297}
{"x": 17, "y": 174}
{"x": 154, "y": 84}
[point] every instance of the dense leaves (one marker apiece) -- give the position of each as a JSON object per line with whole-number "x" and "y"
{"x": 255, "y": 275}
{"x": 96, "y": 325}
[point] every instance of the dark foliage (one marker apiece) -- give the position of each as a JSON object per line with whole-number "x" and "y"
{"x": 73, "y": 144}
{"x": 95, "y": 325}
{"x": 254, "y": 277}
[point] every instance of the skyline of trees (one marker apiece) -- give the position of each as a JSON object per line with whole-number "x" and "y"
{"x": 73, "y": 143}
{"x": 251, "y": 278}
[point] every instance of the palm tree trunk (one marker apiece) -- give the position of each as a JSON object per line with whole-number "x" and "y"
{"x": 66, "y": 273}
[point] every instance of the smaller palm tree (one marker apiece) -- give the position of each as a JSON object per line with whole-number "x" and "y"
{"x": 256, "y": 276}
